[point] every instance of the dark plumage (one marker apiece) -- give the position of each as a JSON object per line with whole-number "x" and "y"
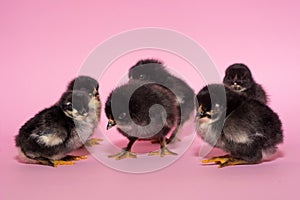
{"x": 243, "y": 127}
{"x": 53, "y": 133}
{"x": 154, "y": 71}
{"x": 142, "y": 110}
{"x": 239, "y": 78}
{"x": 91, "y": 86}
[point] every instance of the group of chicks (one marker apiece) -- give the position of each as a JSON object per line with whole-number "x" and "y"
{"x": 154, "y": 105}
{"x": 234, "y": 117}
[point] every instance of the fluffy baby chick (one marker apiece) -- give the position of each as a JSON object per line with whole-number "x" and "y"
{"x": 91, "y": 86}
{"x": 154, "y": 71}
{"x": 141, "y": 110}
{"x": 238, "y": 77}
{"x": 53, "y": 133}
{"x": 245, "y": 128}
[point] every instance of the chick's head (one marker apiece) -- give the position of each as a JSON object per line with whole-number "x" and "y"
{"x": 149, "y": 70}
{"x": 238, "y": 77}
{"x": 85, "y": 83}
{"x": 211, "y": 102}
{"x": 75, "y": 104}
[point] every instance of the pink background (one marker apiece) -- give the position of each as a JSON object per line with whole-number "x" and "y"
{"x": 44, "y": 43}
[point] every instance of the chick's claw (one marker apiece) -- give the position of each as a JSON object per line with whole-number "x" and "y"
{"x": 164, "y": 151}
{"x": 93, "y": 141}
{"x": 123, "y": 154}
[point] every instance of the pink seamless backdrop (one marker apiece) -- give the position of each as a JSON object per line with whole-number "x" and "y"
{"x": 44, "y": 43}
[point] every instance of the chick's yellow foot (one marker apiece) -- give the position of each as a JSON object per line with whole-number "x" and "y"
{"x": 74, "y": 158}
{"x": 164, "y": 151}
{"x": 93, "y": 141}
{"x": 217, "y": 160}
{"x": 123, "y": 154}
{"x": 56, "y": 163}
{"x": 232, "y": 162}
{"x": 224, "y": 161}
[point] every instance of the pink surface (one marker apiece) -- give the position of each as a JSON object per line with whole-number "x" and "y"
{"x": 43, "y": 45}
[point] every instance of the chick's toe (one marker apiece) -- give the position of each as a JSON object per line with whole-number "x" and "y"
{"x": 123, "y": 154}
{"x": 93, "y": 141}
{"x": 164, "y": 151}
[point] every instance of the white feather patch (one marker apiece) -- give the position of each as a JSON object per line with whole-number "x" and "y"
{"x": 49, "y": 140}
{"x": 239, "y": 137}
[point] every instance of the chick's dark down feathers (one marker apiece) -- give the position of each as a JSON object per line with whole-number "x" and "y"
{"x": 239, "y": 78}
{"x": 141, "y": 98}
{"x": 250, "y": 128}
{"x": 154, "y": 70}
{"x": 143, "y": 111}
{"x": 58, "y": 130}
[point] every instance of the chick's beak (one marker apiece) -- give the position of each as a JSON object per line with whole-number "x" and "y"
{"x": 200, "y": 112}
{"x": 95, "y": 92}
{"x": 110, "y": 124}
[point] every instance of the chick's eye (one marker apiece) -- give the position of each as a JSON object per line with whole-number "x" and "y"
{"x": 69, "y": 106}
{"x": 122, "y": 115}
{"x": 142, "y": 76}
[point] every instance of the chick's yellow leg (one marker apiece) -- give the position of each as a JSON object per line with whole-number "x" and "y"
{"x": 93, "y": 141}
{"x": 123, "y": 154}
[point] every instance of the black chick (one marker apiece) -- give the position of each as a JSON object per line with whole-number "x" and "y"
{"x": 238, "y": 77}
{"x": 145, "y": 111}
{"x": 91, "y": 86}
{"x": 245, "y": 128}
{"x": 154, "y": 71}
{"x": 53, "y": 133}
